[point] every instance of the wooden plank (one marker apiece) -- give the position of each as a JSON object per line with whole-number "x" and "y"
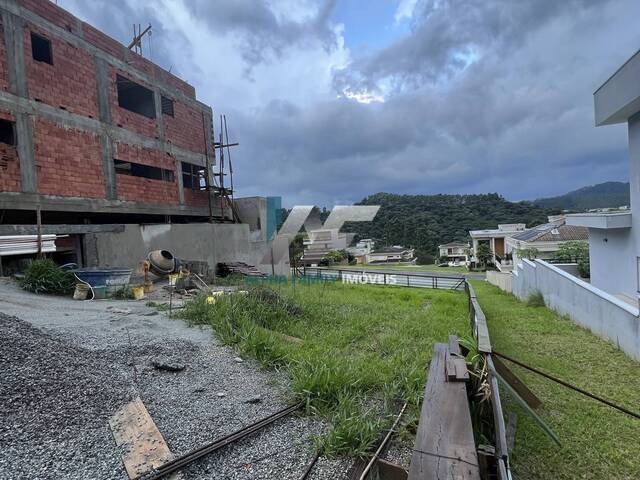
{"x": 454, "y": 345}
{"x": 527, "y": 395}
{"x": 457, "y": 369}
{"x": 480, "y": 327}
{"x": 444, "y": 447}
{"x": 144, "y": 447}
{"x": 62, "y": 229}
{"x": 390, "y": 471}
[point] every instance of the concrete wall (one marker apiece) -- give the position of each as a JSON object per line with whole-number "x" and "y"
{"x": 500, "y": 280}
{"x": 253, "y": 212}
{"x": 612, "y": 257}
{"x": 570, "y": 268}
{"x": 212, "y": 243}
{"x": 588, "y": 306}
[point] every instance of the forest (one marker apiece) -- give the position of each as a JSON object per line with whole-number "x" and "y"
{"x": 426, "y": 221}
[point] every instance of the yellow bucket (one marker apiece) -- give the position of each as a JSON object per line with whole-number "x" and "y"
{"x": 138, "y": 292}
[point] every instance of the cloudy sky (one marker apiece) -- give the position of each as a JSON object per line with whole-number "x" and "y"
{"x": 332, "y": 100}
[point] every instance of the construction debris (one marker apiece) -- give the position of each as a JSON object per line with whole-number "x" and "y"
{"x": 145, "y": 448}
{"x": 237, "y": 268}
{"x": 167, "y": 364}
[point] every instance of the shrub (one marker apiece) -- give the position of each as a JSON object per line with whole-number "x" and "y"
{"x": 424, "y": 258}
{"x": 44, "y": 276}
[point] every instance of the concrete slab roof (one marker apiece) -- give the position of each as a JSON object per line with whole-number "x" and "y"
{"x": 618, "y": 98}
{"x": 600, "y": 220}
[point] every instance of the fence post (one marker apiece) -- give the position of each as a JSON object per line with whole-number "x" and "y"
{"x": 385, "y": 278}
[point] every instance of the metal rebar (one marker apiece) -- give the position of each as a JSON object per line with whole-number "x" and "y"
{"x": 307, "y": 470}
{"x": 184, "y": 460}
{"x": 365, "y": 472}
{"x": 570, "y": 386}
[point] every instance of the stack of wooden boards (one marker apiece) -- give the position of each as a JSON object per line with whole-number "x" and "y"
{"x": 237, "y": 268}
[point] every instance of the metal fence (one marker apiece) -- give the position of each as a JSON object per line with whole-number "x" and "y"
{"x": 399, "y": 279}
{"x": 481, "y": 334}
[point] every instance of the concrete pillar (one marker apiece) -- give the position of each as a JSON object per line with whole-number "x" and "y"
{"x": 157, "y": 100}
{"x": 14, "y": 42}
{"x": 106, "y": 143}
{"x": 634, "y": 186}
{"x": 179, "y": 180}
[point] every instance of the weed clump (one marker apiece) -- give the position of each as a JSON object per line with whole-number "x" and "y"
{"x": 536, "y": 299}
{"x": 44, "y": 276}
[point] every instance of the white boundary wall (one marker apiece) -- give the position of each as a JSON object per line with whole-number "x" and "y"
{"x": 588, "y": 306}
{"x": 500, "y": 280}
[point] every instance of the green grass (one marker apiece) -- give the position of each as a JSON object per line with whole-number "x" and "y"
{"x": 365, "y": 347}
{"x": 408, "y": 268}
{"x": 597, "y": 441}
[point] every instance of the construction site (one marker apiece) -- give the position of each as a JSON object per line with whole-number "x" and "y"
{"x": 155, "y": 324}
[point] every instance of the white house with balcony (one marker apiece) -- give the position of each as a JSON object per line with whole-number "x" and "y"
{"x": 496, "y": 239}
{"x": 614, "y": 237}
{"x": 455, "y": 253}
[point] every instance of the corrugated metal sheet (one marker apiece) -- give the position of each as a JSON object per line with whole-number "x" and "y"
{"x": 25, "y": 244}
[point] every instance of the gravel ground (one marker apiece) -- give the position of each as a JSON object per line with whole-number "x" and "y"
{"x": 68, "y": 366}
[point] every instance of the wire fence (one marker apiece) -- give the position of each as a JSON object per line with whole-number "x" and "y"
{"x": 399, "y": 279}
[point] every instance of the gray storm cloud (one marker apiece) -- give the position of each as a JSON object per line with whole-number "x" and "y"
{"x": 478, "y": 96}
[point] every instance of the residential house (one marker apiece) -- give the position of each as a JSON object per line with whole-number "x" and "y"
{"x": 321, "y": 242}
{"x": 546, "y": 239}
{"x": 362, "y": 249}
{"x": 395, "y": 254}
{"x": 456, "y": 253}
{"x": 496, "y": 239}
{"x": 614, "y": 237}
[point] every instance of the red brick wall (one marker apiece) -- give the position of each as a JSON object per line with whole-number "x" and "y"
{"x": 145, "y": 156}
{"x": 146, "y": 190}
{"x": 103, "y": 41}
{"x": 51, "y": 12}
{"x": 70, "y": 82}
{"x": 126, "y": 118}
{"x": 196, "y": 198}
{"x": 141, "y": 189}
{"x": 4, "y": 75}
{"x": 185, "y": 129}
{"x": 60, "y": 17}
{"x": 10, "y": 180}
{"x": 68, "y": 161}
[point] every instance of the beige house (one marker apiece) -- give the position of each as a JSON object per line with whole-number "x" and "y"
{"x": 394, "y": 254}
{"x": 456, "y": 253}
{"x": 546, "y": 239}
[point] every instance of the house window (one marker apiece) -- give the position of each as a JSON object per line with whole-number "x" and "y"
{"x": 135, "y": 97}
{"x": 193, "y": 176}
{"x": 7, "y": 132}
{"x": 41, "y": 49}
{"x": 144, "y": 171}
{"x": 167, "y": 105}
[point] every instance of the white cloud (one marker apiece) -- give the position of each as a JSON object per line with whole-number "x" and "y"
{"x": 405, "y": 10}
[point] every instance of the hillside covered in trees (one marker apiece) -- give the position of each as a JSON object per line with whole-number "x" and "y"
{"x": 426, "y": 221}
{"x": 602, "y": 195}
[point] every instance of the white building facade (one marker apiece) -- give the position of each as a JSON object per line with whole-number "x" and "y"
{"x": 614, "y": 237}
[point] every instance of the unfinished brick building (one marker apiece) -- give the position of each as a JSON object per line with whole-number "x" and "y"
{"x": 91, "y": 132}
